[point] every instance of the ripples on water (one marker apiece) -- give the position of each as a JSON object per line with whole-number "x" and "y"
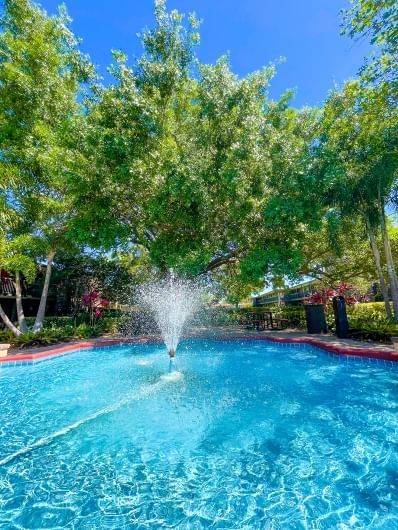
{"x": 245, "y": 436}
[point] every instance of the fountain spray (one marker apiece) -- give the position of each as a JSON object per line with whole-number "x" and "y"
{"x": 172, "y": 301}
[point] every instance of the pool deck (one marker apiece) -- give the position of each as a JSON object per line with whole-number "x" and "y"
{"x": 330, "y": 343}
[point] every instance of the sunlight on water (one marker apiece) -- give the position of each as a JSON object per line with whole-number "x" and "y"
{"x": 296, "y": 439}
{"x": 172, "y": 376}
{"x": 142, "y": 362}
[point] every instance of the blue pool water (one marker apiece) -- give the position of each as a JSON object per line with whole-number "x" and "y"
{"x": 251, "y": 436}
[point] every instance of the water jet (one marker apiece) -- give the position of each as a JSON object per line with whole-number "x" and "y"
{"x": 172, "y": 302}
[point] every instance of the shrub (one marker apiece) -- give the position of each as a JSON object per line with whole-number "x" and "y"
{"x": 372, "y": 311}
{"x": 42, "y": 338}
{"x": 224, "y": 316}
{"x": 216, "y": 316}
{"x": 369, "y": 318}
{"x": 85, "y": 331}
{"x": 57, "y": 329}
{"x": 294, "y": 314}
{"x": 6, "y": 336}
{"x": 108, "y": 324}
{"x": 59, "y": 321}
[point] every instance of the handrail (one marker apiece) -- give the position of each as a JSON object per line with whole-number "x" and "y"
{"x": 7, "y": 286}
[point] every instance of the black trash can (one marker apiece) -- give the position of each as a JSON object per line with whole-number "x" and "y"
{"x": 316, "y": 319}
{"x": 340, "y": 317}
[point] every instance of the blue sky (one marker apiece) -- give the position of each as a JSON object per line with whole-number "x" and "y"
{"x": 254, "y": 32}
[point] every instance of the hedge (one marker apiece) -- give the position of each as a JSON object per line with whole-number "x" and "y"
{"x": 106, "y": 324}
{"x": 369, "y": 318}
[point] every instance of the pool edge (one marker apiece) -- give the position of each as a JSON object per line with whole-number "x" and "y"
{"x": 32, "y": 357}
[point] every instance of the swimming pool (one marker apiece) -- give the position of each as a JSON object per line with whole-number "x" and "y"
{"x": 252, "y": 435}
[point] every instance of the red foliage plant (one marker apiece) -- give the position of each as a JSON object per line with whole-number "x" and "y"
{"x": 325, "y": 296}
{"x": 95, "y": 304}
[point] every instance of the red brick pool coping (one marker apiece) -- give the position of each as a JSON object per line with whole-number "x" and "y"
{"x": 376, "y": 352}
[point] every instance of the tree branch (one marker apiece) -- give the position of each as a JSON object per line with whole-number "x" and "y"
{"x": 231, "y": 257}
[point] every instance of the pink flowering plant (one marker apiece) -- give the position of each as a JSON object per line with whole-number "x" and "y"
{"x": 325, "y": 296}
{"x": 95, "y": 304}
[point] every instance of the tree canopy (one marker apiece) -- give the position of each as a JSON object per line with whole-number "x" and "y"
{"x": 41, "y": 75}
{"x": 188, "y": 165}
{"x": 378, "y": 20}
{"x": 190, "y": 160}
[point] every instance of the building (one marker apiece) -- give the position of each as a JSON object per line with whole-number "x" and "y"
{"x": 30, "y": 296}
{"x": 288, "y": 296}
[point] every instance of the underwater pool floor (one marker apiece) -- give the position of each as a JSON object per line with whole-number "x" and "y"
{"x": 247, "y": 435}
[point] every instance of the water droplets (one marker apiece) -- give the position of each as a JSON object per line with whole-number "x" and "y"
{"x": 172, "y": 302}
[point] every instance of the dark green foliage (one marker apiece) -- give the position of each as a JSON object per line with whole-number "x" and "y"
{"x": 60, "y": 329}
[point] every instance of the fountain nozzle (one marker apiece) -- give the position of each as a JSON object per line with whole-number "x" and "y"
{"x": 172, "y": 353}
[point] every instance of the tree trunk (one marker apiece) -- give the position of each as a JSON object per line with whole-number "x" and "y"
{"x": 380, "y": 274}
{"x": 392, "y": 275}
{"x": 43, "y": 299}
{"x": 18, "y": 298}
{"x": 8, "y": 323}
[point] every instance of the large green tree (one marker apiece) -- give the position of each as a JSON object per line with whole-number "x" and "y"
{"x": 356, "y": 157}
{"x": 41, "y": 73}
{"x": 188, "y": 161}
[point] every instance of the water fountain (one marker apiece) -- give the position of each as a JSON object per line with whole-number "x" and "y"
{"x": 172, "y": 301}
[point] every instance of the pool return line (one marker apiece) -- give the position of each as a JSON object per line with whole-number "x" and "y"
{"x": 47, "y": 440}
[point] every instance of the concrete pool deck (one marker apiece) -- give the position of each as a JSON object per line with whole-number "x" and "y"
{"x": 329, "y": 343}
